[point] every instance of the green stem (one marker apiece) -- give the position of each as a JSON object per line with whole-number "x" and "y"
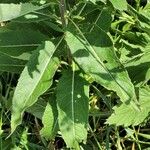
{"x": 95, "y": 138}
{"x": 62, "y": 7}
{"x": 138, "y": 5}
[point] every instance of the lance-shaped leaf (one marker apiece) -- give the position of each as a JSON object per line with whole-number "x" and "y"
{"x": 126, "y": 115}
{"x": 35, "y": 79}
{"x": 50, "y": 120}
{"x": 72, "y": 100}
{"x": 94, "y": 53}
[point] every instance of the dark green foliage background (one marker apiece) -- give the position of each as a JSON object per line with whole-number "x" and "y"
{"x": 76, "y": 76}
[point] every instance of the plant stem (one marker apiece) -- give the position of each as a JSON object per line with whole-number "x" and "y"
{"x": 138, "y": 5}
{"x": 62, "y": 7}
{"x": 95, "y": 138}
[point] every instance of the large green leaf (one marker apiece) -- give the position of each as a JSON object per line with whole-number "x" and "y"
{"x": 11, "y": 11}
{"x": 15, "y": 43}
{"x": 50, "y": 120}
{"x": 35, "y": 79}
{"x": 126, "y": 115}
{"x": 72, "y": 99}
{"x": 10, "y": 64}
{"x": 94, "y": 53}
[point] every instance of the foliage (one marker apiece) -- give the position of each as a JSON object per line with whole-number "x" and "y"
{"x": 72, "y": 70}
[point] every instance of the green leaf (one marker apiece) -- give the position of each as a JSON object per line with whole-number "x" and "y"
{"x": 94, "y": 53}
{"x": 147, "y": 136}
{"x": 15, "y": 43}
{"x": 92, "y": 16}
{"x": 32, "y": 17}
{"x": 139, "y": 69}
{"x": 119, "y": 4}
{"x": 10, "y": 64}
{"x": 94, "y": 1}
{"x": 145, "y": 12}
{"x": 15, "y": 10}
{"x": 126, "y": 115}
{"x": 104, "y": 19}
{"x": 35, "y": 79}
{"x": 38, "y": 108}
{"x": 50, "y": 120}
{"x": 72, "y": 100}
{"x": 53, "y": 26}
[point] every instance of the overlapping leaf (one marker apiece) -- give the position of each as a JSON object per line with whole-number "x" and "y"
{"x": 38, "y": 108}
{"x": 139, "y": 69}
{"x": 72, "y": 99}
{"x": 92, "y": 15}
{"x": 10, "y": 64}
{"x": 15, "y": 43}
{"x": 94, "y": 53}
{"x": 35, "y": 79}
{"x": 11, "y": 11}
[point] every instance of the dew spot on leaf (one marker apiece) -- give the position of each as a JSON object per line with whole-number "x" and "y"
{"x": 78, "y": 96}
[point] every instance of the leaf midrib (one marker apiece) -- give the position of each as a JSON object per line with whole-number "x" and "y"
{"x": 72, "y": 101}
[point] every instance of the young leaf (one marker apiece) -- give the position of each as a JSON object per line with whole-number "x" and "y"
{"x": 72, "y": 100}
{"x": 35, "y": 79}
{"x": 50, "y": 120}
{"x": 126, "y": 115}
{"x": 95, "y": 55}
